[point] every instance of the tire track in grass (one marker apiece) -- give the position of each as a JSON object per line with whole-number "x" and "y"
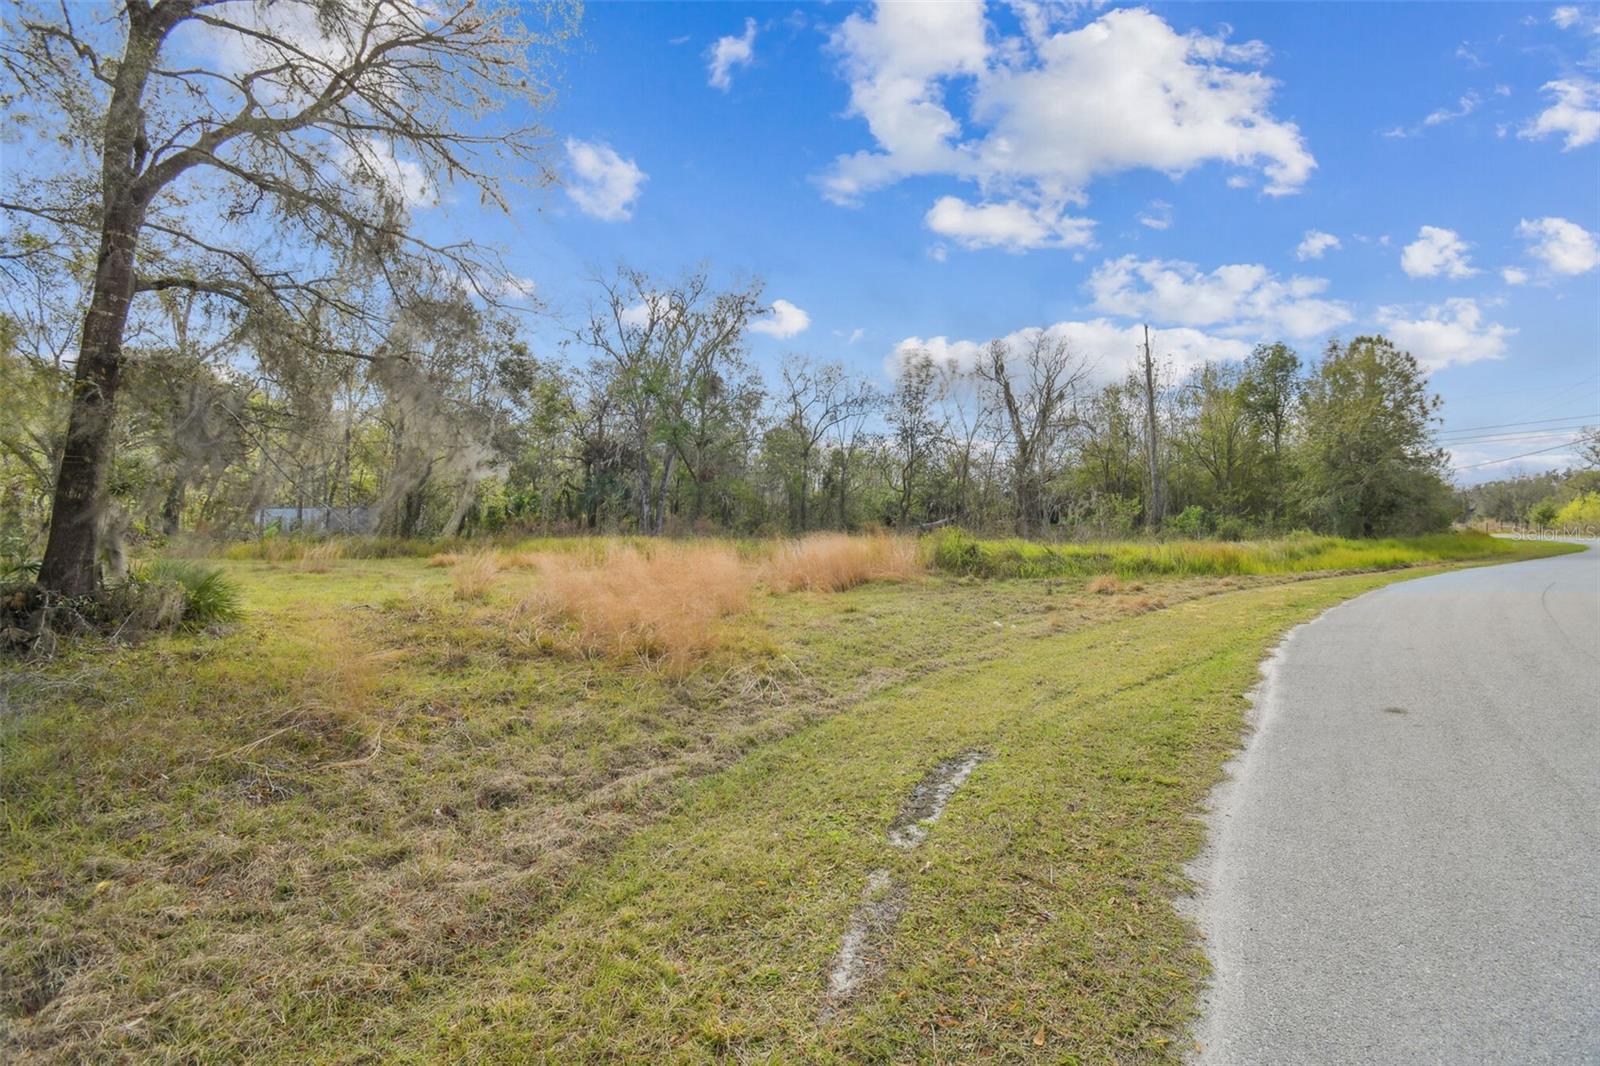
{"x": 861, "y": 953}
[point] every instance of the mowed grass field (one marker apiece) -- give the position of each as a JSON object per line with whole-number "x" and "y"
{"x": 596, "y": 801}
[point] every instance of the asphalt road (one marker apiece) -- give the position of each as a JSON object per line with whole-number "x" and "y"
{"x": 1405, "y": 867}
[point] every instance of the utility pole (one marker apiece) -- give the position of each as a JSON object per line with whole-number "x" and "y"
{"x": 1153, "y": 513}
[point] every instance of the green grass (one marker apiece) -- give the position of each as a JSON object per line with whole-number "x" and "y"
{"x": 373, "y": 821}
{"x": 959, "y": 553}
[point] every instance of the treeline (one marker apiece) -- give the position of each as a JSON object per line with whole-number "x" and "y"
{"x": 653, "y": 419}
{"x": 1558, "y": 499}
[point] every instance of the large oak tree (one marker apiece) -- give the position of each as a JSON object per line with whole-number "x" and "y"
{"x": 262, "y": 152}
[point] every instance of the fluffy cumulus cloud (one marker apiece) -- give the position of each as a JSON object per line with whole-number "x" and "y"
{"x": 1109, "y": 349}
{"x": 1315, "y": 245}
{"x": 602, "y": 184}
{"x": 1244, "y": 299}
{"x": 1514, "y": 276}
{"x": 1052, "y": 110}
{"x": 1563, "y": 247}
{"x": 1449, "y": 334}
{"x": 1435, "y": 252}
{"x": 786, "y": 320}
{"x": 1574, "y": 113}
{"x": 1009, "y": 224}
{"x": 729, "y": 53}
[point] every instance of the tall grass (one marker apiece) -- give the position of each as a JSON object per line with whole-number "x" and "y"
{"x": 664, "y": 605}
{"x": 956, "y": 552}
{"x": 832, "y": 562}
{"x": 474, "y": 575}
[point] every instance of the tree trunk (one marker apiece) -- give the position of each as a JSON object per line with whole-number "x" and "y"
{"x": 661, "y": 495}
{"x": 172, "y": 506}
{"x": 1155, "y": 513}
{"x": 463, "y": 504}
{"x": 641, "y": 440}
{"x": 71, "y": 551}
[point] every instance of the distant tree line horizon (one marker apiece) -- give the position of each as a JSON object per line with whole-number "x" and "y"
{"x": 653, "y": 420}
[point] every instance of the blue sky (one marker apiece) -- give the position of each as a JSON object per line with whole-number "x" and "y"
{"x": 896, "y": 182}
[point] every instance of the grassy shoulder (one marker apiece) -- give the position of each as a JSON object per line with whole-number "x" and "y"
{"x": 376, "y": 821}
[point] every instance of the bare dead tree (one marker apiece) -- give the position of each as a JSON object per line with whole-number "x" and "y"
{"x": 659, "y": 346}
{"x": 1155, "y": 513}
{"x": 1033, "y": 383}
{"x": 813, "y": 402}
{"x": 918, "y": 425}
{"x": 261, "y": 153}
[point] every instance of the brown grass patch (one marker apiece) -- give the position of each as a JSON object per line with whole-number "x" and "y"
{"x": 320, "y": 558}
{"x": 1141, "y": 604}
{"x": 1105, "y": 585}
{"x": 474, "y": 575}
{"x": 832, "y": 562}
{"x": 663, "y": 606}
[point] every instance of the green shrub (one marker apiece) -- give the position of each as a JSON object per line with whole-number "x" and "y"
{"x": 1192, "y": 523}
{"x": 1580, "y": 514}
{"x": 1230, "y": 527}
{"x": 206, "y": 596}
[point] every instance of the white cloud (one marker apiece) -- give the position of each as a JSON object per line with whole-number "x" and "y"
{"x": 1109, "y": 349}
{"x": 1451, "y": 334}
{"x": 373, "y": 164}
{"x": 1567, "y": 17}
{"x": 1009, "y": 224}
{"x": 518, "y": 285}
{"x": 1514, "y": 276}
{"x": 1157, "y": 215}
{"x": 1142, "y": 96}
{"x": 1575, "y": 113}
{"x": 1315, "y": 245}
{"x": 1464, "y": 107}
{"x": 786, "y": 320}
{"x": 605, "y": 185}
{"x": 1436, "y": 251}
{"x": 728, "y": 53}
{"x": 1563, "y": 247}
{"x": 1242, "y": 299}
{"x": 895, "y": 62}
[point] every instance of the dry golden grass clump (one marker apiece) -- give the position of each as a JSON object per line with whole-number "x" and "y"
{"x": 663, "y": 605}
{"x": 832, "y": 562}
{"x": 1105, "y": 585}
{"x": 319, "y": 558}
{"x": 474, "y": 575}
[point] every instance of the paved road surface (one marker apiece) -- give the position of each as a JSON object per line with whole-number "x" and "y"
{"x": 1406, "y": 866}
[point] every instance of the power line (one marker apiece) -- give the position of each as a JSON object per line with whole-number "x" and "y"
{"x": 1524, "y": 455}
{"x": 1507, "y": 425}
{"x": 1495, "y": 438}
